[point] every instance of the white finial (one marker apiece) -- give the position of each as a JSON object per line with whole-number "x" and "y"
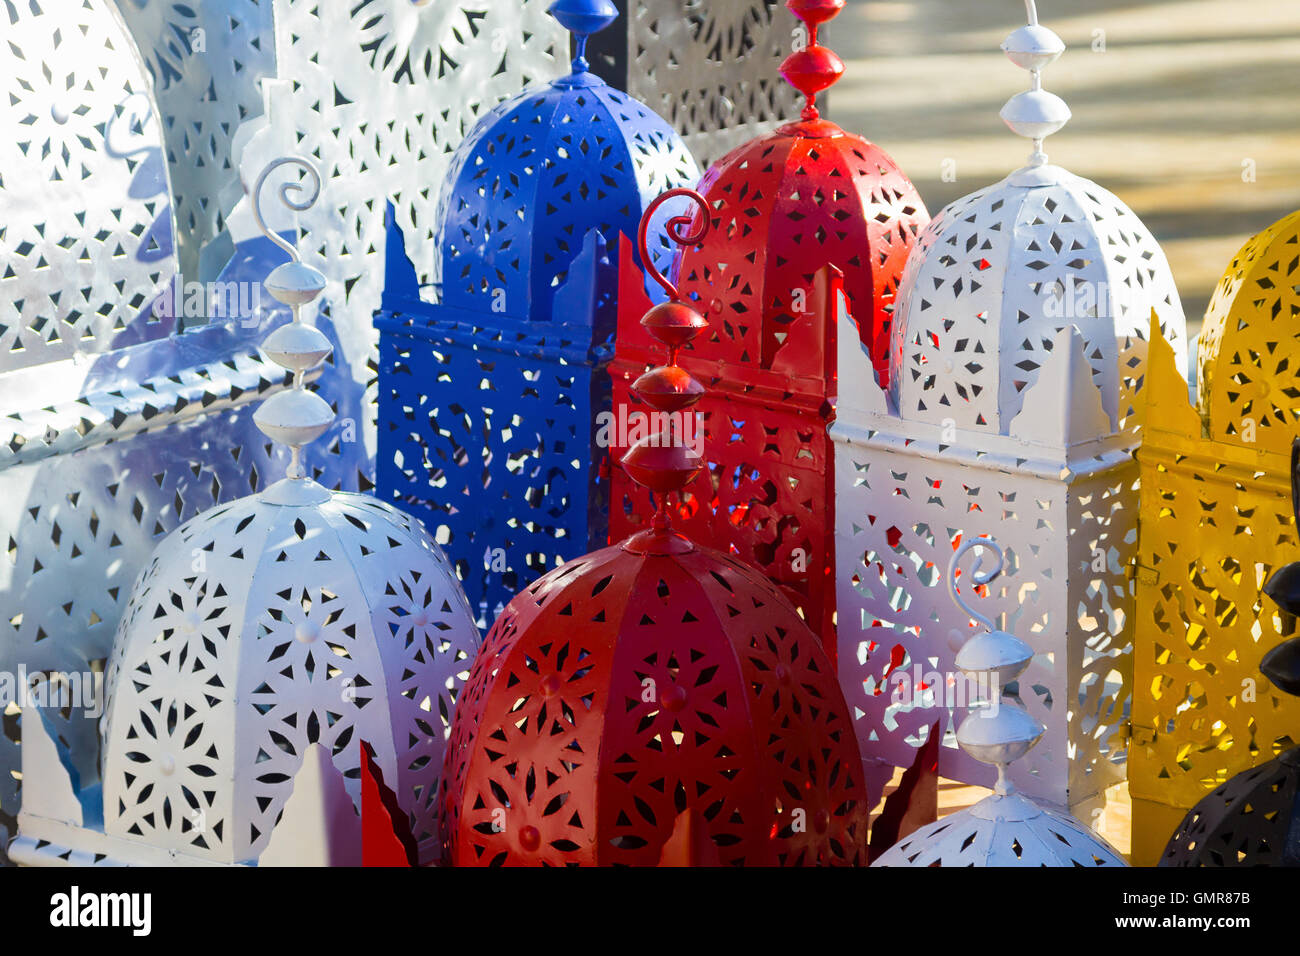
{"x": 998, "y": 732}
{"x": 297, "y": 416}
{"x": 1036, "y": 113}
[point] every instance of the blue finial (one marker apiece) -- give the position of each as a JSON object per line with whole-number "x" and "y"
{"x": 582, "y": 18}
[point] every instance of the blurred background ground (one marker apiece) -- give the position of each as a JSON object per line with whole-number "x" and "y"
{"x": 1165, "y": 114}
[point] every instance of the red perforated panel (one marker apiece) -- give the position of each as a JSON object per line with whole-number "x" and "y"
{"x": 783, "y": 207}
{"x": 624, "y": 690}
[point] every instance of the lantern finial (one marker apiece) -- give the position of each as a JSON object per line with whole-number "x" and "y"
{"x": 664, "y": 461}
{"x": 1035, "y": 114}
{"x": 815, "y": 67}
{"x": 997, "y": 733}
{"x": 295, "y": 417}
{"x": 582, "y": 18}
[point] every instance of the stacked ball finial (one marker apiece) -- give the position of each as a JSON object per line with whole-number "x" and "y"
{"x": 583, "y": 18}
{"x": 664, "y": 462}
{"x": 1004, "y": 829}
{"x": 1036, "y": 113}
{"x": 814, "y": 68}
{"x": 295, "y": 417}
{"x": 1006, "y": 732}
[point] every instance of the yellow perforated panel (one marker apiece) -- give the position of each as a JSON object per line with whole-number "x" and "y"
{"x": 1215, "y": 521}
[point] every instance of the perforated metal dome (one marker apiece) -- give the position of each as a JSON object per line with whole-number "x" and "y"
{"x": 783, "y": 206}
{"x": 1249, "y": 352}
{"x": 284, "y": 619}
{"x": 999, "y": 273}
{"x": 1008, "y": 830}
{"x": 540, "y": 171}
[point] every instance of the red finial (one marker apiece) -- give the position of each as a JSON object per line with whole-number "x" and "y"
{"x": 664, "y": 461}
{"x": 815, "y": 67}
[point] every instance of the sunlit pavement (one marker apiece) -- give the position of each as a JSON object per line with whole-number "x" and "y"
{"x": 1177, "y": 103}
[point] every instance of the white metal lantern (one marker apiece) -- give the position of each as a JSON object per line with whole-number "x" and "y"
{"x": 263, "y": 642}
{"x": 1005, "y": 828}
{"x": 1018, "y": 355}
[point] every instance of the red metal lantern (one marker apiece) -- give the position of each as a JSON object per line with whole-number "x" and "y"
{"x": 656, "y": 701}
{"x": 783, "y": 207}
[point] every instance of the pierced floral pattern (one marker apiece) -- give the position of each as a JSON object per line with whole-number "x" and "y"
{"x": 259, "y": 629}
{"x": 621, "y": 693}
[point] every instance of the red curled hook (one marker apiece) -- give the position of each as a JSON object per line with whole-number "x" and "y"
{"x": 674, "y": 228}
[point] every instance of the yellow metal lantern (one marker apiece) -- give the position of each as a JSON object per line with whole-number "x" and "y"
{"x": 1215, "y": 521}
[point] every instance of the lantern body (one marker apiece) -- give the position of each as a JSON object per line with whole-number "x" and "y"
{"x": 1012, "y": 410}
{"x": 260, "y": 627}
{"x": 625, "y": 693}
{"x": 1216, "y": 521}
{"x": 488, "y": 398}
{"x": 784, "y": 206}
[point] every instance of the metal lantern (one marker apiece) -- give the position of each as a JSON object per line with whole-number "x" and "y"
{"x": 1215, "y": 513}
{"x": 782, "y": 207}
{"x": 1019, "y": 348}
{"x": 1254, "y": 818}
{"x": 488, "y": 398}
{"x": 264, "y": 640}
{"x": 1005, "y": 828}
{"x": 654, "y": 701}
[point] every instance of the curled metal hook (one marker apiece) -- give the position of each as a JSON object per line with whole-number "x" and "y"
{"x": 675, "y": 227}
{"x": 978, "y": 576}
{"x": 1031, "y": 10}
{"x": 297, "y": 205}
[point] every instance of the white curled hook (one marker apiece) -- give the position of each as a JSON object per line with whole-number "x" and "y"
{"x": 297, "y": 205}
{"x": 1031, "y": 10}
{"x": 978, "y": 577}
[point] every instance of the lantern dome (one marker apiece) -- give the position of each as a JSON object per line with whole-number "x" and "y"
{"x": 1251, "y": 819}
{"x": 1005, "y": 828}
{"x": 1248, "y": 351}
{"x": 540, "y": 171}
{"x": 655, "y": 701}
{"x": 786, "y": 204}
{"x": 293, "y": 618}
{"x": 999, "y": 273}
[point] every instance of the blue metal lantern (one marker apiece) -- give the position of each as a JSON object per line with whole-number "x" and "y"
{"x": 491, "y": 394}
